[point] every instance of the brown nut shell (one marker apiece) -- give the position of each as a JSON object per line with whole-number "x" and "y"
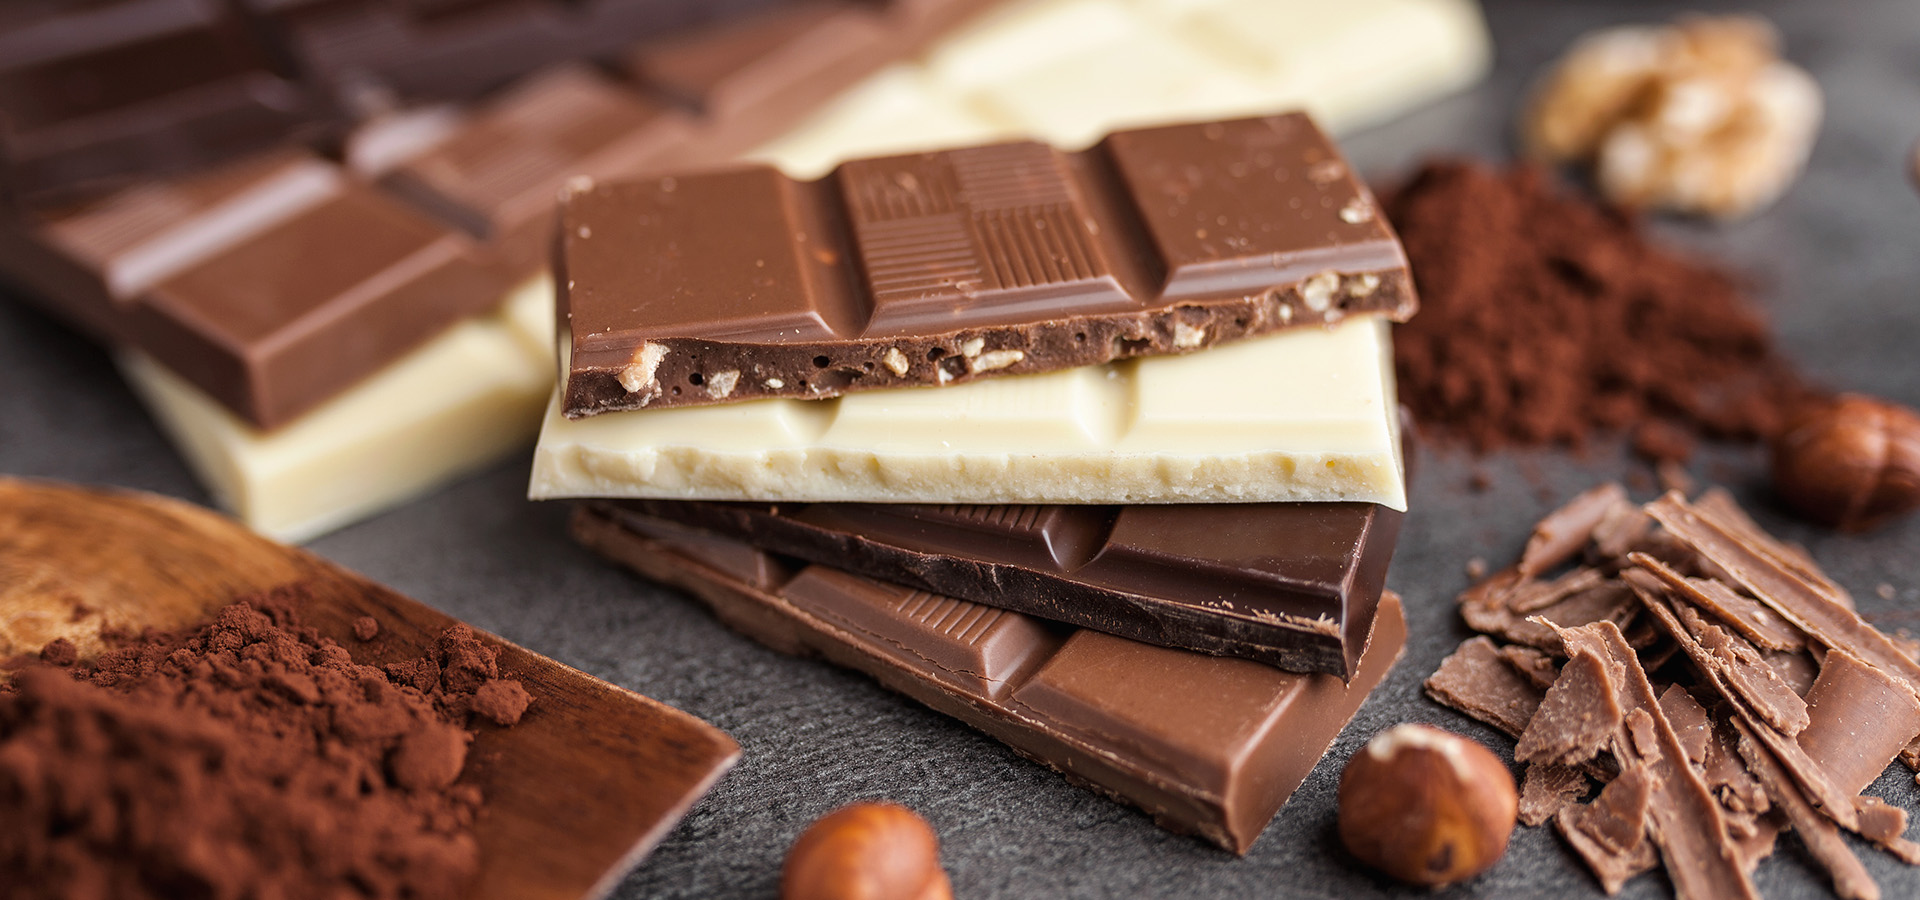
{"x": 1851, "y": 463}
{"x": 1426, "y": 806}
{"x": 866, "y": 851}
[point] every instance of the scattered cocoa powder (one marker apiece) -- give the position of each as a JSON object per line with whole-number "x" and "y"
{"x": 1545, "y": 319}
{"x": 247, "y": 758}
{"x": 60, "y": 652}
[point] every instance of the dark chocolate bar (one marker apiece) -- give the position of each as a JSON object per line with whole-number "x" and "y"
{"x": 941, "y": 267}
{"x": 92, "y": 93}
{"x": 1290, "y": 584}
{"x": 370, "y": 53}
{"x": 1206, "y": 745}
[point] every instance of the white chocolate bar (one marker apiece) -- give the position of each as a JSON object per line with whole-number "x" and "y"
{"x": 1086, "y": 67}
{"x": 457, "y": 404}
{"x": 1068, "y": 71}
{"x": 1306, "y": 415}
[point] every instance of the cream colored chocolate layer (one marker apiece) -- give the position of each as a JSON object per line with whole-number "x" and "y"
{"x": 1302, "y": 416}
{"x": 1068, "y": 71}
{"x": 457, "y": 404}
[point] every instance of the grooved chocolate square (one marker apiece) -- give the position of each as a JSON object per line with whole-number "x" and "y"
{"x": 942, "y": 267}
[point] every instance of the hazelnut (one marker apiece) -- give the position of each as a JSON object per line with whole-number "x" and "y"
{"x": 1426, "y": 806}
{"x": 1851, "y": 463}
{"x": 866, "y": 850}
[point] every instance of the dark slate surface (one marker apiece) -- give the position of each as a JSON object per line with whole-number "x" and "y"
{"x": 1835, "y": 263}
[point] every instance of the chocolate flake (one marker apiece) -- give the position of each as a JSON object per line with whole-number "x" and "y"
{"x": 1533, "y": 664}
{"x": 1561, "y": 535}
{"x": 1576, "y": 717}
{"x": 1850, "y": 878}
{"x": 1476, "y": 681}
{"x": 1547, "y": 788}
{"x": 1810, "y": 605}
{"x": 1685, "y": 820}
{"x": 1806, "y": 703}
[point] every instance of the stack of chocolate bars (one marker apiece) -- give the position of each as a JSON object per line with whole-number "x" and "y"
{"x": 342, "y": 302}
{"x": 1097, "y": 451}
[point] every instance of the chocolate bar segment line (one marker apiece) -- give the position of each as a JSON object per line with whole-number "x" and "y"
{"x": 1295, "y": 585}
{"x": 943, "y": 267}
{"x": 1206, "y": 745}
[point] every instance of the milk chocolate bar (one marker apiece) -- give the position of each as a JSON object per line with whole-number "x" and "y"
{"x": 1290, "y": 584}
{"x": 1205, "y": 744}
{"x": 274, "y": 283}
{"x": 943, "y": 267}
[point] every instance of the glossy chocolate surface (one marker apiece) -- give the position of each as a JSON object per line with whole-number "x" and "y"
{"x": 940, "y": 267}
{"x": 1207, "y": 745}
{"x": 274, "y": 281}
{"x": 1291, "y": 584}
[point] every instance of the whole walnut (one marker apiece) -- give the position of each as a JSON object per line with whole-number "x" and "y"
{"x": 1852, "y": 462}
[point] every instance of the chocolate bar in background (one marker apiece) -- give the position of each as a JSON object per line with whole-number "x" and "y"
{"x": 274, "y": 283}
{"x": 106, "y": 91}
{"x": 275, "y": 325}
{"x": 1206, "y": 745}
{"x": 943, "y": 267}
{"x": 1295, "y": 585}
{"x": 89, "y": 262}
{"x": 374, "y": 54}
{"x": 495, "y": 174}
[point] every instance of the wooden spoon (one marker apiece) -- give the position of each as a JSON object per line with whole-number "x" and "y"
{"x": 577, "y": 793}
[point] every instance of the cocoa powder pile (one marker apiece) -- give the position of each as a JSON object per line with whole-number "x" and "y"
{"x": 249, "y": 758}
{"x": 1545, "y": 319}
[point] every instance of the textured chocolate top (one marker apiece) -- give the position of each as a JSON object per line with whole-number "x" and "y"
{"x": 888, "y": 271}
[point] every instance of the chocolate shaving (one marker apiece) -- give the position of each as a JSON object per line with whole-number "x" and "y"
{"x": 1613, "y": 869}
{"x": 1811, "y": 606}
{"x": 1884, "y": 825}
{"x": 1561, "y": 535}
{"x": 1617, "y": 819}
{"x": 1534, "y": 596}
{"x": 1722, "y": 507}
{"x": 1798, "y": 670}
{"x": 1690, "y": 722}
{"x": 1823, "y": 840}
{"x": 1476, "y": 681}
{"x": 1685, "y": 820}
{"x": 1576, "y": 718}
{"x": 1547, "y": 789}
{"x": 1755, "y": 622}
{"x": 1859, "y": 719}
{"x": 1809, "y": 775}
{"x": 1621, "y": 531}
{"x": 1533, "y": 664}
{"x": 1798, "y": 703}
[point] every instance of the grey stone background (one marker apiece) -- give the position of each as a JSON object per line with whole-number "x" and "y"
{"x": 1835, "y": 264}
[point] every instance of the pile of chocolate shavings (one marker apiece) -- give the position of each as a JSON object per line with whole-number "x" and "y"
{"x": 1710, "y": 678}
{"x": 249, "y": 757}
{"x": 1546, "y": 319}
